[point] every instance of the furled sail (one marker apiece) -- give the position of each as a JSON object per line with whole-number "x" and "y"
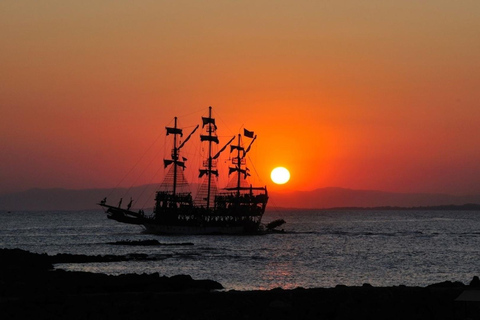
{"x": 209, "y": 138}
{"x": 206, "y": 171}
{"x": 238, "y": 169}
{"x": 208, "y": 120}
{"x": 171, "y": 130}
{"x": 167, "y": 162}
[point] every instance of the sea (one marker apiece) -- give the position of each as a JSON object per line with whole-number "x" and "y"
{"x": 318, "y": 248}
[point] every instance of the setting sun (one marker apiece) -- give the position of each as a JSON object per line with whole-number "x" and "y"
{"x": 280, "y": 175}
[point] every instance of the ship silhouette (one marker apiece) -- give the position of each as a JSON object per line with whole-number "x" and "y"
{"x": 235, "y": 209}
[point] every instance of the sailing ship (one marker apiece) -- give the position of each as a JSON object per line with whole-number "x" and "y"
{"x": 236, "y": 209}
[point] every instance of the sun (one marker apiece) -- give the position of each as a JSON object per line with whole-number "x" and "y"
{"x": 280, "y": 175}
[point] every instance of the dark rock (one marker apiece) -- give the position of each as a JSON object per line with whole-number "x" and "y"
{"x": 475, "y": 282}
{"x": 22, "y": 261}
{"x": 278, "y": 309}
{"x": 446, "y": 284}
{"x": 46, "y": 294}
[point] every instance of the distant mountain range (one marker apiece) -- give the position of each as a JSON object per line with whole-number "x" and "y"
{"x": 341, "y": 198}
{"x": 67, "y": 199}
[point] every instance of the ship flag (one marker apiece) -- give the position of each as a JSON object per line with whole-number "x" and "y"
{"x": 248, "y": 134}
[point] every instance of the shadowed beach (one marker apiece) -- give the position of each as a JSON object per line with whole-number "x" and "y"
{"x": 32, "y": 288}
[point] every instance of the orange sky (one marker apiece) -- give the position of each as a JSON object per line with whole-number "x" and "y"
{"x": 359, "y": 94}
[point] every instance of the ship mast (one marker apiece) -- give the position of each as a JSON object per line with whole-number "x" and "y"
{"x": 175, "y": 131}
{"x": 175, "y": 153}
{"x": 209, "y": 163}
{"x": 209, "y": 166}
{"x": 209, "y": 158}
{"x": 175, "y": 158}
{"x": 239, "y": 159}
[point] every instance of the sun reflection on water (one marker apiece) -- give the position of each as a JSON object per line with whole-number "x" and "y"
{"x": 280, "y": 274}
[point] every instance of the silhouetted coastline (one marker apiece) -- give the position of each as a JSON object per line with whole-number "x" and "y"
{"x": 329, "y": 197}
{"x": 31, "y": 288}
{"x": 452, "y": 207}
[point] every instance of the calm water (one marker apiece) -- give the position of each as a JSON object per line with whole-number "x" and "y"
{"x": 319, "y": 248}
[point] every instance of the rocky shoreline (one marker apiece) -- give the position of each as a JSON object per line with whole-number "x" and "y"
{"x": 31, "y": 289}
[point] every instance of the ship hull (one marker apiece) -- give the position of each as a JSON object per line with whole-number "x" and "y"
{"x": 177, "y": 225}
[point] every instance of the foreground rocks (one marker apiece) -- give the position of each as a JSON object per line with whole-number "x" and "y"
{"x": 24, "y": 273}
{"x": 30, "y": 289}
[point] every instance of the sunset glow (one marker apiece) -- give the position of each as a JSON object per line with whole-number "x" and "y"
{"x": 364, "y": 95}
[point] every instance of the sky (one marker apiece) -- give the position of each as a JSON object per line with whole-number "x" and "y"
{"x": 371, "y": 95}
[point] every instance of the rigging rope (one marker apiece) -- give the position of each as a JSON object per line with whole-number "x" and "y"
{"x": 134, "y": 166}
